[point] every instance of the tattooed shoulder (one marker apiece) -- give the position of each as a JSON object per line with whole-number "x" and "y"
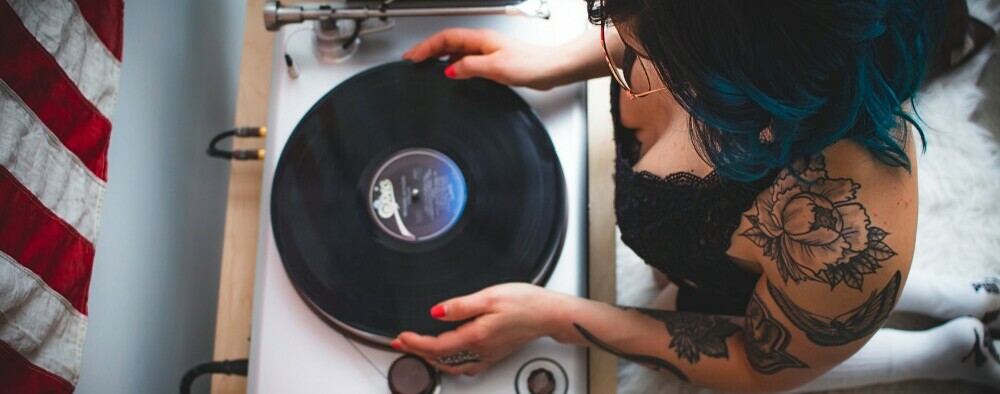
{"x": 812, "y": 226}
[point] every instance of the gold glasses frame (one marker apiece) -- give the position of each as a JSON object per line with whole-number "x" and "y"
{"x": 618, "y": 76}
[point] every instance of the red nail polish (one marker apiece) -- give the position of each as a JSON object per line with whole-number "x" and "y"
{"x": 437, "y": 311}
{"x": 450, "y": 71}
{"x": 395, "y": 345}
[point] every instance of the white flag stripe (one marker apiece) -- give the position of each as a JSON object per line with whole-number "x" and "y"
{"x": 40, "y": 162}
{"x": 39, "y": 323}
{"x": 60, "y": 27}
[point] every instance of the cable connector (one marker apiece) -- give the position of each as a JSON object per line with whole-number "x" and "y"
{"x": 241, "y": 154}
{"x": 293, "y": 72}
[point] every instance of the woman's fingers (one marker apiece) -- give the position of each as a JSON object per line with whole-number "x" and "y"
{"x": 467, "y": 369}
{"x": 490, "y": 55}
{"x": 463, "y": 308}
{"x": 445, "y": 344}
{"x": 404, "y": 346}
{"x": 472, "y": 67}
{"x": 453, "y": 41}
{"x": 421, "y": 345}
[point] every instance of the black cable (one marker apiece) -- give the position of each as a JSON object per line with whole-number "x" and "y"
{"x": 383, "y": 8}
{"x": 243, "y": 154}
{"x": 227, "y": 367}
{"x": 354, "y": 35}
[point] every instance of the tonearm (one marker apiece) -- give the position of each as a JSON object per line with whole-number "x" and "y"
{"x": 277, "y": 15}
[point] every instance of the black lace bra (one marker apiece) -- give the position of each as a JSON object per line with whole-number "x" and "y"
{"x": 682, "y": 224}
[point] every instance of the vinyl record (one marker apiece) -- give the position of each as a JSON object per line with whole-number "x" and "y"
{"x": 402, "y": 188}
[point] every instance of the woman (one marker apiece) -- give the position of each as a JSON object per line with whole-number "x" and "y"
{"x": 765, "y": 166}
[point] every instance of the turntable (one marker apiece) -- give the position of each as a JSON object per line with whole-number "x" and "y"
{"x": 389, "y": 187}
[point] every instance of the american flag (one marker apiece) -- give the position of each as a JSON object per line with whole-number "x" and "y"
{"x": 60, "y": 62}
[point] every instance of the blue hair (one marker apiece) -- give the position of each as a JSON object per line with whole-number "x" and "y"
{"x": 768, "y": 82}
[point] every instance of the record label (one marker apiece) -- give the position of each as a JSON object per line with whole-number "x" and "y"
{"x": 417, "y": 195}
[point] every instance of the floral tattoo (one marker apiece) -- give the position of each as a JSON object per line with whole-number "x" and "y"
{"x": 693, "y": 334}
{"x": 815, "y": 230}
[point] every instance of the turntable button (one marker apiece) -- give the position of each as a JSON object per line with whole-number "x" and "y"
{"x": 541, "y": 381}
{"x": 412, "y": 375}
{"x": 541, "y": 376}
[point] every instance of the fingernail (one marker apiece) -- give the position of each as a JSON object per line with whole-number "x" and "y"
{"x": 437, "y": 311}
{"x": 396, "y": 345}
{"x": 450, "y": 73}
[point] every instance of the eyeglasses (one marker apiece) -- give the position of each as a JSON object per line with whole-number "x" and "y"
{"x": 618, "y": 73}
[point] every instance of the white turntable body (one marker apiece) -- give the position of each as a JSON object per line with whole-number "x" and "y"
{"x": 293, "y": 350}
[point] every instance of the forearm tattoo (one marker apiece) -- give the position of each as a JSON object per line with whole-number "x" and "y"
{"x": 814, "y": 229}
{"x": 654, "y": 362}
{"x": 767, "y": 340}
{"x": 855, "y": 324}
{"x": 693, "y": 334}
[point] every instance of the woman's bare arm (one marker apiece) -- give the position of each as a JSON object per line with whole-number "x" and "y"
{"x": 491, "y": 55}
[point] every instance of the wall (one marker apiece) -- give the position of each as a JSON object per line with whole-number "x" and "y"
{"x": 154, "y": 289}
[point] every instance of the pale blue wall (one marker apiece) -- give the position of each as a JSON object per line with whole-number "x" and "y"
{"x": 154, "y": 288}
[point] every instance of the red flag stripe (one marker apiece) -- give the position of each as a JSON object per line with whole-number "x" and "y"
{"x": 43, "y": 165}
{"x": 39, "y": 81}
{"x": 40, "y": 324}
{"x": 61, "y": 29}
{"x": 43, "y": 243}
{"x": 105, "y": 17}
{"x": 18, "y": 373}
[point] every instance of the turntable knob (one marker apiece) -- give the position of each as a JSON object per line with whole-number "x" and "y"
{"x": 541, "y": 376}
{"x": 541, "y": 381}
{"x": 412, "y": 375}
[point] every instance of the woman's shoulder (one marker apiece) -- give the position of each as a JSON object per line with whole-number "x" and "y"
{"x": 835, "y": 218}
{"x": 834, "y": 237}
{"x": 848, "y": 158}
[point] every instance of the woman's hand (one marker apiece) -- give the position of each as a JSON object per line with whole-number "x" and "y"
{"x": 491, "y": 55}
{"x": 504, "y": 318}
